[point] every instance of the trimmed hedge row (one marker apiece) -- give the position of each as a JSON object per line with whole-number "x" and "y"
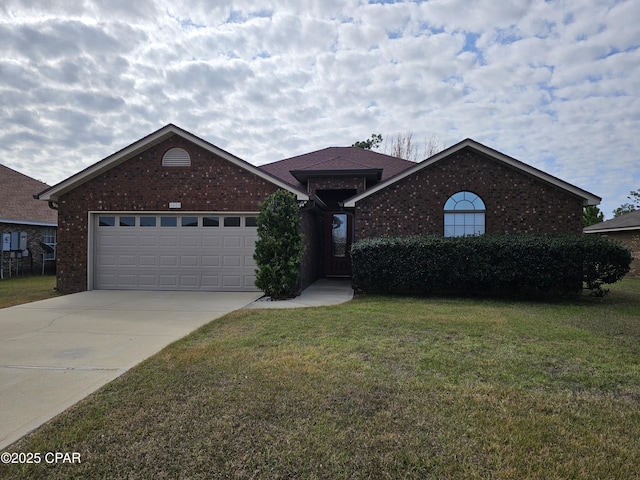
{"x": 558, "y": 264}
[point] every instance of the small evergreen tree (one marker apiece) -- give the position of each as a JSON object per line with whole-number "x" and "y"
{"x": 278, "y": 251}
{"x": 591, "y": 215}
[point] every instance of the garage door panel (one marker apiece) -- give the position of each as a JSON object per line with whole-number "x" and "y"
{"x": 232, "y": 281}
{"x": 189, "y": 281}
{"x": 231, "y": 261}
{"x": 168, "y": 241}
{"x": 127, "y": 241}
{"x": 209, "y": 241}
{"x": 148, "y": 241}
{"x": 148, "y": 281}
{"x": 211, "y": 260}
{"x": 168, "y": 260}
{"x": 107, "y": 240}
{"x": 232, "y": 242}
{"x": 214, "y": 258}
{"x": 168, "y": 280}
{"x": 127, "y": 260}
{"x": 107, "y": 260}
{"x": 190, "y": 241}
{"x": 211, "y": 281}
{"x": 107, "y": 280}
{"x": 148, "y": 260}
{"x": 189, "y": 261}
{"x": 127, "y": 280}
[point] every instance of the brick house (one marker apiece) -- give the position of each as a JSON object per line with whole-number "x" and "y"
{"x": 626, "y": 230}
{"x": 172, "y": 211}
{"x": 20, "y": 213}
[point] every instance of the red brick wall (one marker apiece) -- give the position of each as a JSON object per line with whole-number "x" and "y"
{"x": 631, "y": 240}
{"x": 515, "y": 201}
{"x": 310, "y": 223}
{"x": 211, "y": 184}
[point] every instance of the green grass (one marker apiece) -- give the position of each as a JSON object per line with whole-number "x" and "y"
{"x": 444, "y": 388}
{"x": 17, "y": 290}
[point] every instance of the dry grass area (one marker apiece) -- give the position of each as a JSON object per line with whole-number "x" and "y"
{"x": 17, "y": 290}
{"x": 442, "y": 388}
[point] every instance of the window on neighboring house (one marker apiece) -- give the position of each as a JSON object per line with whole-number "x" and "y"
{"x": 464, "y": 214}
{"x": 176, "y": 157}
{"x": 49, "y": 238}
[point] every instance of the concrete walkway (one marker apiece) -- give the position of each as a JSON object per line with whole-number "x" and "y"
{"x": 326, "y": 291}
{"x": 55, "y": 352}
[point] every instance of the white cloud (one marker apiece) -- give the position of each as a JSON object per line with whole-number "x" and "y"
{"x": 554, "y": 83}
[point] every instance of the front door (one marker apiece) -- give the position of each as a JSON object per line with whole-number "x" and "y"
{"x": 338, "y": 238}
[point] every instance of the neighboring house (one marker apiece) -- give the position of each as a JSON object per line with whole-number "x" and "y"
{"x": 21, "y": 213}
{"x": 172, "y": 211}
{"x": 626, "y": 230}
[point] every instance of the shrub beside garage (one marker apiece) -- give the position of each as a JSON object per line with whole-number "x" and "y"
{"x": 554, "y": 264}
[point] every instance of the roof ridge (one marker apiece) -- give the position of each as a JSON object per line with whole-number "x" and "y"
{"x": 323, "y": 162}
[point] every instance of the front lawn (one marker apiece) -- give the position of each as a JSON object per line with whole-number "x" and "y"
{"x": 444, "y": 388}
{"x": 18, "y": 290}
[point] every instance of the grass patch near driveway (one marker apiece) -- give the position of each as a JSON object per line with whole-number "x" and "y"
{"x": 18, "y": 290}
{"x": 380, "y": 387}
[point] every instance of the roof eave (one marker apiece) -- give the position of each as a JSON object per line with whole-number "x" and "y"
{"x": 303, "y": 175}
{"x": 36, "y": 223}
{"x": 612, "y": 230}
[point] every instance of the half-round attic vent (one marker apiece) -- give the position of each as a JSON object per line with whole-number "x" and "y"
{"x": 176, "y": 157}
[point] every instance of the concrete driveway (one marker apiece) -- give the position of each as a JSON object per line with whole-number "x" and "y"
{"x": 55, "y": 352}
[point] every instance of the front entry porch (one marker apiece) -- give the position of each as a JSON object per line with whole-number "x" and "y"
{"x": 338, "y": 236}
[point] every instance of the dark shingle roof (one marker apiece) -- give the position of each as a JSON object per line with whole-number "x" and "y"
{"x": 336, "y": 159}
{"x": 17, "y": 202}
{"x": 628, "y": 221}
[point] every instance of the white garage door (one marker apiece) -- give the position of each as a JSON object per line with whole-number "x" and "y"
{"x": 174, "y": 252}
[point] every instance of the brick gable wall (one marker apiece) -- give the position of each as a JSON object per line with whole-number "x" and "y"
{"x": 140, "y": 184}
{"x": 515, "y": 202}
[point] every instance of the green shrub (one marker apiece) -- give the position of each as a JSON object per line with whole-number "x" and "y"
{"x": 278, "y": 250}
{"x": 557, "y": 264}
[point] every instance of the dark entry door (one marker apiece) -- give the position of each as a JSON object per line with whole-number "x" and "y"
{"x": 338, "y": 238}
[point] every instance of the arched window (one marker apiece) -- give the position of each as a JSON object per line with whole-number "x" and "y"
{"x": 464, "y": 215}
{"x": 176, "y": 157}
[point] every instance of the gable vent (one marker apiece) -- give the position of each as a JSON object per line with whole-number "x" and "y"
{"x": 176, "y": 157}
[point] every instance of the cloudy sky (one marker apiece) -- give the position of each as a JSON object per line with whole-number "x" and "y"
{"x": 555, "y": 84}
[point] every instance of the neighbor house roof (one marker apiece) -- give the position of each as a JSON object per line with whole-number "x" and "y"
{"x": 587, "y": 197}
{"x": 627, "y": 221}
{"x": 53, "y": 193}
{"x": 17, "y": 204}
{"x": 337, "y": 161}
